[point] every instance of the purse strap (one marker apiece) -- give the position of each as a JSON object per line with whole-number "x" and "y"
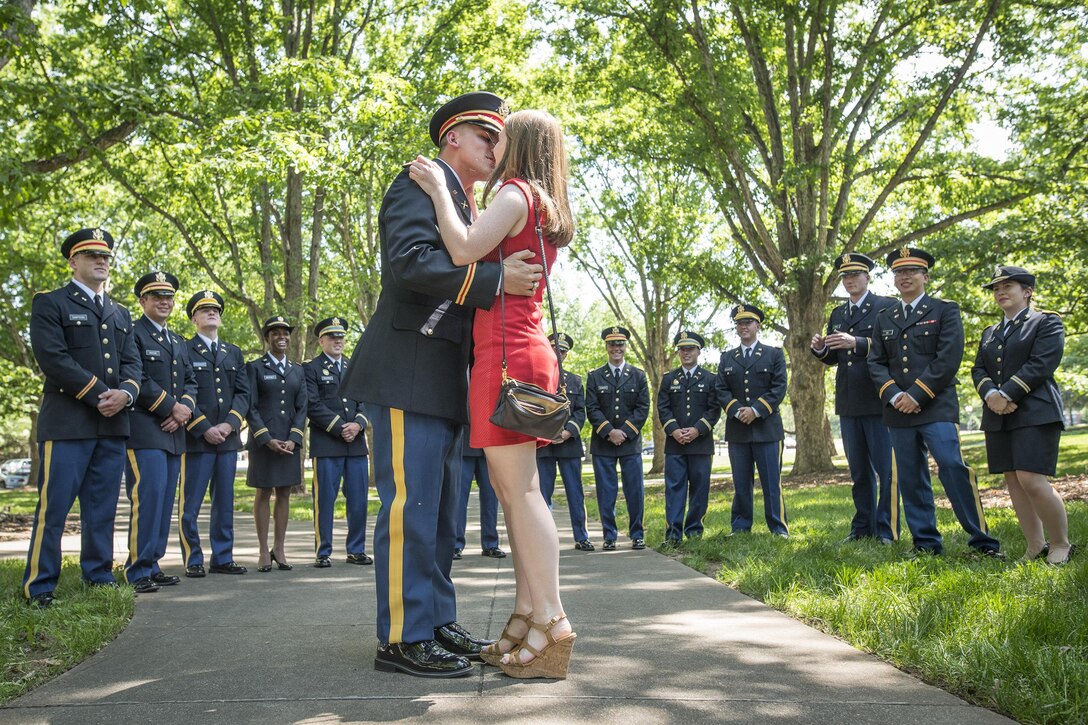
{"x": 547, "y": 293}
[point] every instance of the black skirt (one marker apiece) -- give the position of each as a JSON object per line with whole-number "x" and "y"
{"x": 1033, "y": 448}
{"x": 273, "y": 470}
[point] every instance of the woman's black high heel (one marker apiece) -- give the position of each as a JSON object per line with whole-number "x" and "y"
{"x": 279, "y": 565}
{"x": 263, "y": 567}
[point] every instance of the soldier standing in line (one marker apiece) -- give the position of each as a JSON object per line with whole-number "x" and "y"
{"x": 567, "y": 453}
{"x": 338, "y": 447}
{"x": 83, "y": 343}
{"x": 751, "y": 385}
{"x": 846, "y": 344}
{"x": 617, "y": 404}
{"x": 166, "y": 403}
{"x": 210, "y": 461}
{"x": 687, "y": 405}
{"x": 474, "y": 465}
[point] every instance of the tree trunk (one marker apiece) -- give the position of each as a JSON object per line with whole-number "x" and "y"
{"x": 815, "y": 448}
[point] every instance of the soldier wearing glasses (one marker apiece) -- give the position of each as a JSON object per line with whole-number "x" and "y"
{"x": 83, "y": 342}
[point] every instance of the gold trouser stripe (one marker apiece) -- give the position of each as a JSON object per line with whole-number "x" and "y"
{"x": 974, "y": 488}
{"x": 781, "y": 489}
{"x": 313, "y": 494}
{"x": 185, "y": 548}
{"x": 134, "y": 515}
{"x": 39, "y": 525}
{"x": 895, "y": 499}
{"x": 396, "y": 528}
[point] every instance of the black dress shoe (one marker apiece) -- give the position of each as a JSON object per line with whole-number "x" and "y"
{"x": 360, "y": 558}
{"x": 584, "y": 545}
{"x": 42, "y": 600}
{"x": 920, "y": 551}
{"x": 453, "y": 638}
{"x": 196, "y": 571}
{"x": 422, "y": 659}
{"x": 145, "y": 586}
{"x": 322, "y": 562}
{"x": 988, "y": 554}
{"x": 229, "y": 568}
{"x": 494, "y": 553}
{"x": 457, "y": 554}
{"x": 164, "y": 580}
{"x": 638, "y": 544}
{"x": 609, "y": 545}
{"x": 108, "y": 584}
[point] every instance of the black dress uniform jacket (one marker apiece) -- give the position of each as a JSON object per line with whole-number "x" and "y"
{"x": 572, "y": 447}
{"x": 684, "y": 403}
{"x": 1021, "y": 365}
{"x": 222, "y": 394}
{"x": 625, "y": 406}
{"x": 167, "y": 379}
{"x": 414, "y": 353}
{"x": 758, "y": 383}
{"x": 82, "y": 353}
{"x": 920, "y": 357}
{"x": 855, "y": 394}
{"x": 328, "y": 411}
{"x": 277, "y": 403}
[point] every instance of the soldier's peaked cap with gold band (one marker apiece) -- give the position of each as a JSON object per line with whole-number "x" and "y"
{"x": 333, "y": 326}
{"x": 203, "y": 299}
{"x": 615, "y": 334}
{"x": 1008, "y": 272}
{"x": 746, "y": 312}
{"x": 910, "y": 258}
{"x": 275, "y": 322}
{"x": 852, "y": 262}
{"x": 91, "y": 241}
{"x": 480, "y": 109}
{"x": 160, "y": 284}
{"x": 687, "y": 338}
{"x": 566, "y": 342}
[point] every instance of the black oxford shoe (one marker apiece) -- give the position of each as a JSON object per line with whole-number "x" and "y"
{"x": 455, "y": 639}
{"x": 609, "y": 545}
{"x": 494, "y": 553}
{"x": 360, "y": 558}
{"x": 323, "y": 562}
{"x": 42, "y": 600}
{"x": 145, "y": 586}
{"x": 196, "y": 571}
{"x": 229, "y": 568}
{"x": 164, "y": 580}
{"x": 457, "y": 554}
{"x": 421, "y": 659}
{"x": 638, "y": 544}
{"x": 585, "y": 545}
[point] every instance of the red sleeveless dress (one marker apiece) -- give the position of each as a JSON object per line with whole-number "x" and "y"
{"x": 529, "y": 356}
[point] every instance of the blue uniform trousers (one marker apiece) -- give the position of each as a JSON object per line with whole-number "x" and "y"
{"x": 942, "y": 439}
{"x": 876, "y": 495}
{"x": 687, "y": 485}
{"x": 417, "y": 471}
{"x": 201, "y": 472}
{"x": 745, "y": 459}
{"x": 89, "y": 469}
{"x": 476, "y": 467}
{"x": 151, "y": 481}
{"x": 571, "y": 471}
{"x": 329, "y": 472}
{"x": 604, "y": 471}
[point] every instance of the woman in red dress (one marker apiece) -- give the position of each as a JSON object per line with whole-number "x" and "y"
{"x": 531, "y": 165}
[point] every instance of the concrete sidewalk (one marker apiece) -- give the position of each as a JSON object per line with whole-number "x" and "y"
{"x": 657, "y": 642}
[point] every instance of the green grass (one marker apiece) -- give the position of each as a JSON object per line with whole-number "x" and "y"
{"x": 302, "y": 505}
{"x": 38, "y": 644}
{"x": 22, "y": 500}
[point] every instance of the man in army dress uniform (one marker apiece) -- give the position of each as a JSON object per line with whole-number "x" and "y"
{"x": 166, "y": 403}
{"x": 338, "y": 447}
{"x": 411, "y": 370}
{"x": 846, "y": 344}
{"x": 751, "y": 385}
{"x": 617, "y": 405}
{"x": 567, "y": 453}
{"x": 687, "y": 405}
{"x": 919, "y": 346}
{"x": 210, "y": 461}
{"x": 83, "y": 343}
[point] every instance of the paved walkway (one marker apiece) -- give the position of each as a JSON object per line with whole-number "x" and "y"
{"x": 658, "y": 643}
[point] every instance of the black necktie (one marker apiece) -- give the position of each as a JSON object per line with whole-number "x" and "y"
{"x": 616, "y": 376}
{"x": 747, "y": 353}
{"x": 909, "y": 310}
{"x": 98, "y": 302}
{"x": 215, "y": 349}
{"x": 337, "y": 365}
{"x": 853, "y": 311}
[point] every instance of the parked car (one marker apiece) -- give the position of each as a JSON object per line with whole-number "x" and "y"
{"x": 16, "y": 472}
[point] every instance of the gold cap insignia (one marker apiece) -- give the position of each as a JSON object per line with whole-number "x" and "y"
{"x": 503, "y": 110}
{"x": 615, "y": 330}
{"x": 97, "y": 234}
{"x": 160, "y": 277}
{"x": 208, "y": 295}
{"x": 997, "y": 271}
{"x": 279, "y": 319}
{"x": 846, "y": 258}
{"x": 904, "y": 252}
{"x": 336, "y": 320}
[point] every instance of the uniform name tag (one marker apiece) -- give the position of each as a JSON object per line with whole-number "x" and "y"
{"x": 271, "y": 377}
{"x": 837, "y": 326}
{"x": 328, "y": 379}
{"x": 887, "y": 334}
{"x": 81, "y": 317}
{"x": 602, "y": 388}
{"x": 200, "y": 364}
{"x": 153, "y": 353}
